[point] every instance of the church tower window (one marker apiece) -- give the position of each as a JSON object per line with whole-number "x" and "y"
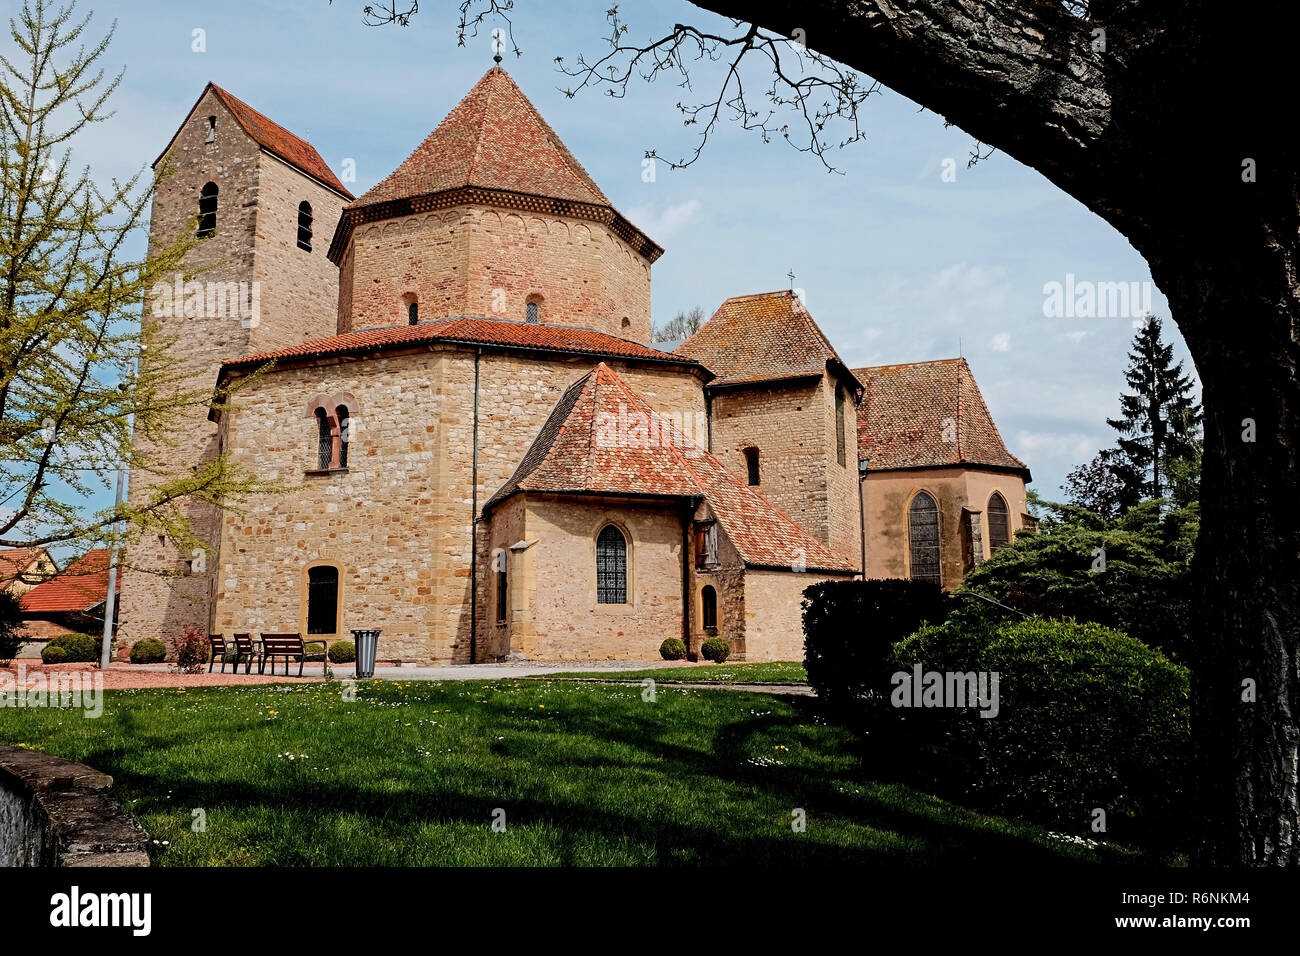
{"x": 709, "y": 607}
{"x": 345, "y": 434}
{"x": 923, "y": 537}
{"x": 304, "y": 226}
{"x": 751, "y": 465}
{"x": 208, "y": 211}
{"x": 839, "y": 425}
{"x": 611, "y": 566}
{"x": 324, "y": 441}
{"x": 533, "y": 309}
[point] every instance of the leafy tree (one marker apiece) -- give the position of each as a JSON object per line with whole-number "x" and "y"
{"x": 1131, "y": 573}
{"x": 72, "y": 383}
{"x": 1159, "y": 420}
{"x": 1098, "y": 486}
{"x": 681, "y": 326}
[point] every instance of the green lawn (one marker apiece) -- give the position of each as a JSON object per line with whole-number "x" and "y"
{"x": 780, "y": 672}
{"x": 410, "y": 773}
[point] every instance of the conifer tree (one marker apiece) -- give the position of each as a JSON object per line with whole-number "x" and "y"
{"x": 1159, "y": 421}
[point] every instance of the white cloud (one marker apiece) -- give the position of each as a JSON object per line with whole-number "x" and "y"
{"x": 1001, "y": 342}
{"x": 661, "y": 225}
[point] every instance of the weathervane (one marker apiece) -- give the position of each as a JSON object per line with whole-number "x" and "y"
{"x": 790, "y": 275}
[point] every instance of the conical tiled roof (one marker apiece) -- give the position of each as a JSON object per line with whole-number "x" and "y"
{"x": 495, "y": 148}
{"x": 580, "y": 450}
{"x": 928, "y": 415}
{"x": 493, "y": 139}
{"x": 759, "y": 338}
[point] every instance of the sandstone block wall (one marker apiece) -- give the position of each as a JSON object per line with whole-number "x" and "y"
{"x": 484, "y": 261}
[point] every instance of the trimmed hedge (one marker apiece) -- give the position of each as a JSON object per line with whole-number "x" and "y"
{"x": 715, "y": 649}
{"x": 342, "y": 652}
{"x": 149, "y": 651}
{"x": 673, "y": 649}
{"x": 54, "y": 654}
{"x": 1087, "y": 718}
{"x": 849, "y": 629}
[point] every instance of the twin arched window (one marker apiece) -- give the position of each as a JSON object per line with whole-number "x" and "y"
{"x": 923, "y": 537}
{"x": 304, "y": 226}
{"x": 208, "y": 210}
{"x": 999, "y": 522}
{"x": 611, "y": 566}
{"x": 332, "y": 438}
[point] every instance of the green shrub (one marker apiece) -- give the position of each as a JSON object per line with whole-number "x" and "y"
{"x": 79, "y": 648}
{"x": 715, "y": 649}
{"x": 1087, "y": 717}
{"x": 1145, "y": 589}
{"x": 342, "y": 652}
{"x": 672, "y": 649}
{"x": 849, "y": 628}
{"x": 54, "y": 654}
{"x": 149, "y": 651}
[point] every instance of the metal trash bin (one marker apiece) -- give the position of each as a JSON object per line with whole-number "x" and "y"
{"x": 367, "y": 641}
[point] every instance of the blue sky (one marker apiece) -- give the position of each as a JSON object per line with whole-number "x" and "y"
{"x": 896, "y": 264}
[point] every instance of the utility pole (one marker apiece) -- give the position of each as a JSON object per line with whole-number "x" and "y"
{"x": 110, "y": 600}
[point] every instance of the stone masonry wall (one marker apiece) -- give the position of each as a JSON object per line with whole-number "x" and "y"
{"x": 398, "y": 520}
{"x": 484, "y": 261}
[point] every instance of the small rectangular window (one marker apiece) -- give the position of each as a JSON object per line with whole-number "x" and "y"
{"x": 839, "y": 426}
{"x": 706, "y": 546}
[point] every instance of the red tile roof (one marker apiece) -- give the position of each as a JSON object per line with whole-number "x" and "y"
{"x": 274, "y": 138}
{"x": 494, "y": 139}
{"x": 762, "y": 337}
{"x": 926, "y": 415}
{"x": 581, "y": 450}
{"x": 504, "y": 333}
{"x": 494, "y": 147}
{"x": 79, "y": 587}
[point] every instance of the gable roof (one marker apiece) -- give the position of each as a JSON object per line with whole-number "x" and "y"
{"x": 80, "y": 586}
{"x": 271, "y": 136}
{"x": 580, "y": 450}
{"x": 909, "y": 410}
{"x": 493, "y": 147}
{"x": 14, "y": 561}
{"x": 763, "y": 337}
{"x": 504, "y": 333}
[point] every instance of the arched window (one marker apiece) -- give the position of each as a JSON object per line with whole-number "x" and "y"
{"x": 345, "y": 434}
{"x": 923, "y": 537}
{"x": 304, "y": 226}
{"x": 211, "y": 135}
{"x": 611, "y": 566}
{"x": 208, "y": 211}
{"x": 839, "y": 424}
{"x": 709, "y": 606}
{"x": 999, "y": 527}
{"x": 751, "y": 465}
{"x": 413, "y": 314}
{"x": 324, "y": 440}
{"x": 533, "y": 312}
{"x": 503, "y": 586}
{"x": 323, "y": 600}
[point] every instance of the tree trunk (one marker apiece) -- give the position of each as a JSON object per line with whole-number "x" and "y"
{"x": 1240, "y": 314}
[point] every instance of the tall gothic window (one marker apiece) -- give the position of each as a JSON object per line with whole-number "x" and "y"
{"x": 839, "y": 424}
{"x": 999, "y": 526}
{"x": 413, "y": 314}
{"x": 208, "y": 211}
{"x": 304, "y": 226}
{"x": 323, "y": 600}
{"x": 923, "y": 537}
{"x": 611, "y": 566}
{"x": 751, "y": 465}
{"x": 709, "y": 606}
{"x": 502, "y": 590}
{"x": 324, "y": 441}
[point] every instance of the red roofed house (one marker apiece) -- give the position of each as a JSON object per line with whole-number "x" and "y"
{"x": 72, "y": 600}
{"x": 488, "y": 457}
{"x": 21, "y": 569}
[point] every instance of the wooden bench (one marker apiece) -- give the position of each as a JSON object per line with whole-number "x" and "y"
{"x": 244, "y": 651}
{"x": 218, "y": 648}
{"x": 288, "y": 646}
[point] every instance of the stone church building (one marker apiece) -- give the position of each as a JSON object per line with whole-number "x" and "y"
{"x": 482, "y": 452}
